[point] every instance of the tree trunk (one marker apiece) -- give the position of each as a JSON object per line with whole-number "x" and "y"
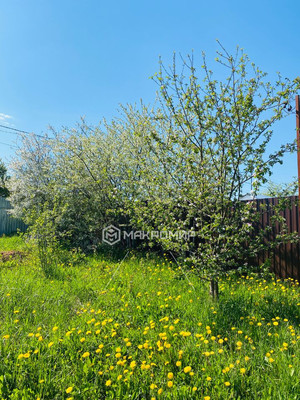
{"x": 214, "y": 288}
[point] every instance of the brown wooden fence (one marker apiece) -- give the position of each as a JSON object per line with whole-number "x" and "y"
{"x": 285, "y": 261}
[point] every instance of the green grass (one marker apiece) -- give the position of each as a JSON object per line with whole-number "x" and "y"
{"x": 141, "y": 330}
{"x": 13, "y": 242}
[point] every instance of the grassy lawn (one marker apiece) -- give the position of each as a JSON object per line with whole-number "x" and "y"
{"x": 141, "y": 330}
{"x": 12, "y": 242}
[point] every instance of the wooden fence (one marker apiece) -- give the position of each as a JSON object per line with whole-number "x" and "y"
{"x": 285, "y": 261}
{"x": 8, "y": 224}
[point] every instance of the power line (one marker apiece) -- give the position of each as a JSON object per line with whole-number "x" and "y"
{"x": 16, "y": 131}
{"x": 10, "y": 145}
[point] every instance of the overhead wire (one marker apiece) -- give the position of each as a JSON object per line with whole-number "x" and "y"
{"x": 10, "y": 145}
{"x": 17, "y": 131}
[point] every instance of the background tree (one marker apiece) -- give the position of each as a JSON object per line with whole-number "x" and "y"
{"x": 4, "y": 192}
{"x": 282, "y": 189}
{"x": 79, "y": 179}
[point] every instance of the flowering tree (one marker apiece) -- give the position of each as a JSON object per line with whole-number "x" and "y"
{"x": 215, "y": 140}
{"x": 179, "y": 167}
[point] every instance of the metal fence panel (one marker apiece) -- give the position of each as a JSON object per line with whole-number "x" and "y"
{"x": 285, "y": 261}
{"x": 9, "y": 224}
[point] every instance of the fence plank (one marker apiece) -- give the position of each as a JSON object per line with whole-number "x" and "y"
{"x": 9, "y": 224}
{"x": 285, "y": 262}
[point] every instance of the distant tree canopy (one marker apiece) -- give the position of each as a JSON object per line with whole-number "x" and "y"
{"x": 4, "y": 192}
{"x": 178, "y": 167}
{"x": 281, "y": 189}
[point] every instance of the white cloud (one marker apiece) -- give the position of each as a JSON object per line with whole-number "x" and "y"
{"x": 4, "y": 119}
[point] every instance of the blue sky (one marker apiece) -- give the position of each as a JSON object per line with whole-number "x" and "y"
{"x": 60, "y": 60}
